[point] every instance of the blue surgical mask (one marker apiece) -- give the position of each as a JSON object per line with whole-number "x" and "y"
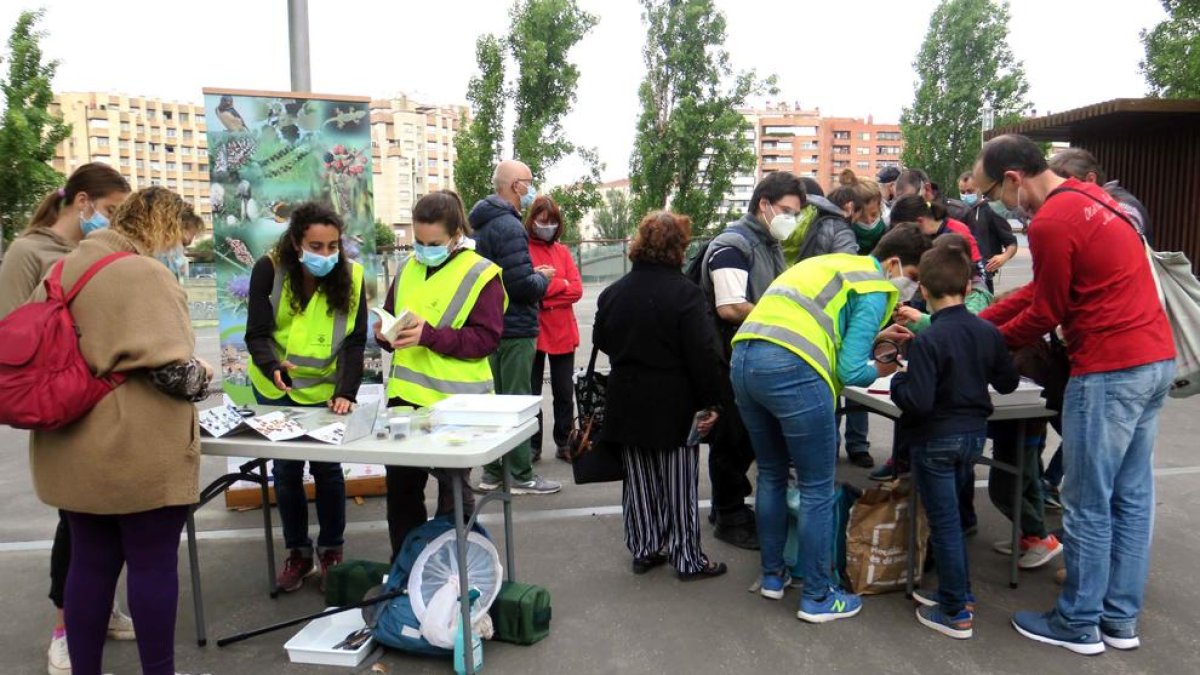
{"x": 970, "y": 199}
{"x": 431, "y": 256}
{"x": 174, "y": 258}
{"x": 97, "y": 221}
{"x": 1000, "y": 209}
{"x": 529, "y": 196}
{"x": 319, "y": 265}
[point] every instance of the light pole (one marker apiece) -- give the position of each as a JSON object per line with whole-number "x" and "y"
{"x": 298, "y": 45}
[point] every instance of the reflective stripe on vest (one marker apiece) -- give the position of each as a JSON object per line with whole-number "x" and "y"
{"x": 315, "y": 377}
{"x": 444, "y": 300}
{"x": 801, "y": 310}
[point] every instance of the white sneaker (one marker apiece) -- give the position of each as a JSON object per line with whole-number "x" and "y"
{"x": 59, "y": 661}
{"x": 120, "y": 626}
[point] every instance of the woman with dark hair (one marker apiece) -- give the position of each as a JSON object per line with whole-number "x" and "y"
{"x": 658, "y": 331}
{"x": 457, "y": 303}
{"x": 126, "y": 473}
{"x": 934, "y": 221}
{"x": 65, "y": 216}
{"x": 558, "y": 332}
{"x": 306, "y": 329}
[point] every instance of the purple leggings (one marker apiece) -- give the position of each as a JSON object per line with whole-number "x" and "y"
{"x": 148, "y": 544}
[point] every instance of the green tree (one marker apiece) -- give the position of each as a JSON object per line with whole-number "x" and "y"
{"x": 578, "y": 199}
{"x": 1172, "y": 64}
{"x": 964, "y": 65}
{"x": 29, "y": 133}
{"x": 691, "y": 141}
{"x": 384, "y": 236}
{"x": 477, "y": 144}
{"x": 614, "y": 217}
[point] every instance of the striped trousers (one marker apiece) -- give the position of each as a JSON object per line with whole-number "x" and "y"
{"x": 660, "y": 499}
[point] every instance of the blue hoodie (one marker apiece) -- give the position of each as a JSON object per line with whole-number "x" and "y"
{"x": 501, "y": 237}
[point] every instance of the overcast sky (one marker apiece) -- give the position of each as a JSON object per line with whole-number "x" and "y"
{"x": 1074, "y": 52}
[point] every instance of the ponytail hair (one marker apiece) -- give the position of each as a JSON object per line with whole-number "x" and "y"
{"x": 96, "y": 179}
{"x": 858, "y": 191}
{"x": 908, "y": 209}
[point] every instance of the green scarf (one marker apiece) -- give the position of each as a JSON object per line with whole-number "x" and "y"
{"x": 868, "y": 236}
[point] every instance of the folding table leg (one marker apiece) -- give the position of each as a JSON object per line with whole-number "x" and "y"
{"x": 510, "y": 545}
{"x": 268, "y": 535}
{"x": 194, "y": 567}
{"x": 460, "y": 538}
{"x": 1016, "y": 506}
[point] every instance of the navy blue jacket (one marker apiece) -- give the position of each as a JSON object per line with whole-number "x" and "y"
{"x": 950, "y": 365}
{"x": 501, "y": 237}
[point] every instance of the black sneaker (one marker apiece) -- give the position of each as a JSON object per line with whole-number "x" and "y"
{"x": 737, "y": 528}
{"x": 863, "y": 460}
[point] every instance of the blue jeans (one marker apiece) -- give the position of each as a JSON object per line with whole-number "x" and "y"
{"x": 857, "y": 427}
{"x": 1110, "y": 422}
{"x": 293, "y": 503}
{"x": 943, "y": 467}
{"x": 789, "y": 413}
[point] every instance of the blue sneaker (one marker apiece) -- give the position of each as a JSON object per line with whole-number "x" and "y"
{"x": 961, "y": 626}
{"x": 837, "y": 604}
{"x": 929, "y": 599}
{"x": 1124, "y": 639}
{"x": 773, "y": 586}
{"x": 1040, "y": 628}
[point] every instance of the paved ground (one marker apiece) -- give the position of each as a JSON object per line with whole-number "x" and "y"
{"x": 606, "y": 620}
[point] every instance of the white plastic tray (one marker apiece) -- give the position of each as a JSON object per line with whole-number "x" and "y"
{"x": 314, "y": 644}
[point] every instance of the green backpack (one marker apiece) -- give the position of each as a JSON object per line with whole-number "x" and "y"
{"x": 347, "y": 583}
{"x": 521, "y": 613}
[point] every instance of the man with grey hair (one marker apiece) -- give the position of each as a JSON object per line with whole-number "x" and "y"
{"x": 1081, "y": 165}
{"x": 501, "y": 237}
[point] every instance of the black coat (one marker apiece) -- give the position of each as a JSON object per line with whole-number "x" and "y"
{"x": 661, "y": 341}
{"x": 501, "y": 238}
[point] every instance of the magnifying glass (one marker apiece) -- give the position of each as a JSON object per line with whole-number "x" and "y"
{"x": 886, "y": 351}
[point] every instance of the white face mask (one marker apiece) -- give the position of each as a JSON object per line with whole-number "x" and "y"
{"x": 906, "y": 286}
{"x": 782, "y": 225}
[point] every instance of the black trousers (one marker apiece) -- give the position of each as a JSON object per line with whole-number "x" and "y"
{"x": 562, "y": 367}
{"x": 729, "y": 457}
{"x": 60, "y": 561}
{"x": 406, "y": 498}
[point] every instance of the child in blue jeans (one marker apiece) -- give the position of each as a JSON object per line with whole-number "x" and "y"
{"x": 943, "y": 395}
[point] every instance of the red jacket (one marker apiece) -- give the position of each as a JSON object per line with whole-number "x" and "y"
{"x": 559, "y": 333}
{"x": 960, "y": 228}
{"x": 1091, "y": 276}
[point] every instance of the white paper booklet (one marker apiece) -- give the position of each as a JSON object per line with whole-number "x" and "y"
{"x": 392, "y": 325}
{"x": 291, "y": 423}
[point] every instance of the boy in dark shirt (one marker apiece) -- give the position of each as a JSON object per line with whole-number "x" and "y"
{"x": 944, "y": 389}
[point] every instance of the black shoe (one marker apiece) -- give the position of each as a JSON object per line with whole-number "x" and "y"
{"x": 741, "y": 536}
{"x": 710, "y": 570}
{"x": 563, "y": 453}
{"x": 862, "y": 460}
{"x": 643, "y": 565}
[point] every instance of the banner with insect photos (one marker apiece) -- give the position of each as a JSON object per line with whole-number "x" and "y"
{"x": 267, "y": 154}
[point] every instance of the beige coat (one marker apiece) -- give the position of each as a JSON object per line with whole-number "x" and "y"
{"x": 138, "y": 449}
{"x": 26, "y": 263}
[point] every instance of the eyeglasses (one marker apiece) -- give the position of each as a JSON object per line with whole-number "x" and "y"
{"x": 987, "y": 194}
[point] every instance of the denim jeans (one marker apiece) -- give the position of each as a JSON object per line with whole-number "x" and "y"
{"x": 788, "y": 411}
{"x": 943, "y": 466}
{"x": 857, "y": 428}
{"x": 330, "y": 484}
{"x": 1110, "y": 422}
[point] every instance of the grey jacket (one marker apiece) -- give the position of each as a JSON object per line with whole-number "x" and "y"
{"x": 762, "y": 250}
{"x": 829, "y": 232}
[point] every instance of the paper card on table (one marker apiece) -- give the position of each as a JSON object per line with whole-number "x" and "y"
{"x": 333, "y": 434}
{"x": 277, "y": 426}
{"x": 221, "y": 420}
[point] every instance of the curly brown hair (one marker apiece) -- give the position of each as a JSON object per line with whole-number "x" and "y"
{"x": 338, "y": 284}
{"x": 661, "y": 239}
{"x": 155, "y": 217}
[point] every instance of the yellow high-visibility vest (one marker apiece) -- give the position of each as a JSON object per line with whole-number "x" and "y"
{"x": 310, "y": 339}
{"x": 445, "y": 299}
{"x": 800, "y": 310}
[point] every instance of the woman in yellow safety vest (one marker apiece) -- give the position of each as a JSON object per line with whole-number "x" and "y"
{"x": 810, "y": 334}
{"x": 456, "y": 302}
{"x": 306, "y": 329}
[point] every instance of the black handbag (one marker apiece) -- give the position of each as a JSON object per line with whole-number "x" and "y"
{"x": 592, "y": 461}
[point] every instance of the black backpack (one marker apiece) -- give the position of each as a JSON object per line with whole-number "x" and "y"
{"x": 693, "y": 269}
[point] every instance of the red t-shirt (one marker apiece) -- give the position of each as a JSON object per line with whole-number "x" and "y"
{"x": 959, "y": 227}
{"x": 1091, "y": 276}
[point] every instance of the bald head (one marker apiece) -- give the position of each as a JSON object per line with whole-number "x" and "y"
{"x": 506, "y": 177}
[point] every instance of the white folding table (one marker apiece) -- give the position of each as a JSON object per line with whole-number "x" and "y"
{"x": 420, "y": 449}
{"x": 881, "y": 404}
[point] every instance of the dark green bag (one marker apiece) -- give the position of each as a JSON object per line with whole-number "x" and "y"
{"x": 521, "y": 613}
{"x": 348, "y": 582}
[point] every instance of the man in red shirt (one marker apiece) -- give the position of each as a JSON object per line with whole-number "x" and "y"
{"x": 1090, "y": 276}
